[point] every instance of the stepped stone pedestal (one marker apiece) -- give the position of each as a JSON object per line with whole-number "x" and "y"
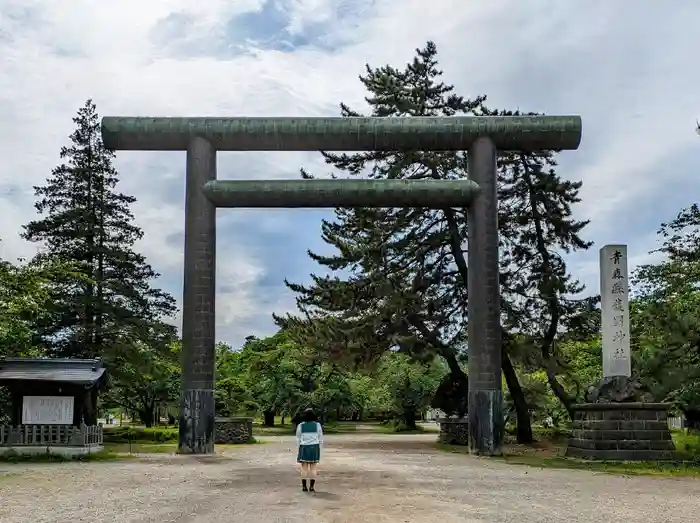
{"x": 621, "y": 432}
{"x": 454, "y": 431}
{"x": 233, "y": 430}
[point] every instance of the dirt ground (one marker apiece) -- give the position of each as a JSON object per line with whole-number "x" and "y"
{"x": 363, "y": 477}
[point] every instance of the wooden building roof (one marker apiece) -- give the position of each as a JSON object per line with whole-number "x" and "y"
{"x": 74, "y": 371}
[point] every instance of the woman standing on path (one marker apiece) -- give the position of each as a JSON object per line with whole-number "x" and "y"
{"x": 309, "y": 440}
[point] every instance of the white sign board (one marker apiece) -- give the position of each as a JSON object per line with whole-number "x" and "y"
{"x": 615, "y": 311}
{"x": 47, "y": 410}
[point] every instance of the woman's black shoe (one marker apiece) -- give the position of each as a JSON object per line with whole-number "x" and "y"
{"x": 311, "y": 487}
{"x": 303, "y": 486}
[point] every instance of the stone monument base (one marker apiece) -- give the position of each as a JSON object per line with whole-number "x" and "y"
{"x": 233, "y": 430}
{"x": 621, "y": 432}
{"x": 454, "y": 431}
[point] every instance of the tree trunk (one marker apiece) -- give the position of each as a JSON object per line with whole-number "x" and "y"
{"x": 99, "y": 308}
{"x": 146, "y": 414}
{"x": 90, "y": 408}
{"x": 269, "y": 418}
{"x": 89, "y": 350}
{"x": 522, "y": 411}
{"x": 146, "y": 418}
{"x": 409, "y": 419}
{"x": 550, "y": 295}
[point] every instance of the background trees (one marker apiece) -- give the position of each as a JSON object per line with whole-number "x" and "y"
{"x": 88, "y": 293}
{"x": 405, "y": 270}
{"x": 277, "y": 377}
{"x": 380, "y": 332}
{"x": 666, "y": 312}
{"x": 84, "y": 221}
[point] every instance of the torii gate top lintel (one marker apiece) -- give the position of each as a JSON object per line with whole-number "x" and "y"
{"x": 508, "y": 133}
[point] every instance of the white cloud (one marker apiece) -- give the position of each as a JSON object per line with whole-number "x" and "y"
{"x": 627, "y": 68}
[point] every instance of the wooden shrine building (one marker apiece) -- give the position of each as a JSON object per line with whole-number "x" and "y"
{"x": 53, "y": 404}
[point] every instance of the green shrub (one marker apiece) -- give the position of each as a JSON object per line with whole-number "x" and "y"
{"x": 688, "y": 444}
{"x": 551, "y": 433}
{"x": 126, "y": 434}
{"x": 398, "y": 426}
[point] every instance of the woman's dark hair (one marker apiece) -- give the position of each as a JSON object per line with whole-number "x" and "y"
{"x": 309, "y": 415}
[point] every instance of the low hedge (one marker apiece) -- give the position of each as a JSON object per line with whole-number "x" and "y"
{"x": 126, "y": 434}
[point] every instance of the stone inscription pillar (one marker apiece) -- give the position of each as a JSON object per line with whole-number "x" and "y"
{"x": 198, "y": 336}
{"x": 615, "y": 311}
{"x": 484, "y": 310}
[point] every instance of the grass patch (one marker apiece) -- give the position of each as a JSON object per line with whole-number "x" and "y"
{"x": 147, "y": 447}
{"x": 288, "y": 429}
{"x": 15, "y": 457}
{"x": 620, "y": 468}
{"x": 277, "y": 430}
{"x": 342, "y": 427}
{"x": 545, "y": 459}
{"x": 253, "y": 441}
{"x": 8, "y": 475}
{"x": 397, "y": 427}
{"x": 549, "y": 452}
{"x": 141, "y": 447}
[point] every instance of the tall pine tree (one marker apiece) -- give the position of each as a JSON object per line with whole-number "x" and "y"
{"x": 85, "y": 221}
{"x": 407, "y": 283}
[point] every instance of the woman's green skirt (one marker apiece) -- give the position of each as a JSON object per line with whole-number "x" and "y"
{"x": 309, "y": 454}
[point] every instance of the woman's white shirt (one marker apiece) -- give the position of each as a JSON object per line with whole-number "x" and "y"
{"x": 310, "y": 438}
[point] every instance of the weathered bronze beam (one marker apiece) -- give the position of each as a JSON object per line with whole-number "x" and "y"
{"x": 522, "y": 133}
{"x": 437, "y": 194}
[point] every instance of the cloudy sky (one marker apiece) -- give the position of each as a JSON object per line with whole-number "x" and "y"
{"x": 628, "y": 67}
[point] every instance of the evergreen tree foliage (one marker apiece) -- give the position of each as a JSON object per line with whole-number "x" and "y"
{"x": 404, "y": 271}
{"x": 85, "y": 221}
{"x": 24, "y": 300}
{"x": 664, "y": 316}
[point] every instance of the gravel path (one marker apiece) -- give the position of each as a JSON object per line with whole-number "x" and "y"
{"x": 375, "y": 478}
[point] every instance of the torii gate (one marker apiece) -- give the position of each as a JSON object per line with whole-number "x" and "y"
{"x": 482, "y": 137}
